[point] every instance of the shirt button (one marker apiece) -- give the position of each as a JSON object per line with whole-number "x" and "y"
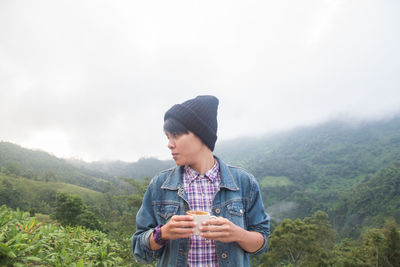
{"x": 217, "y": 211}
{"x": 203, "y": 195}
{"x": 224, "y": 256}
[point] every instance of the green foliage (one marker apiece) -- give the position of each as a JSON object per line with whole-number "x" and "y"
{"x": 375, "y": 199}
{"x": 291, "y": 241}
{"x": 376, "y": 247}
{"x": 89, "y": 220}
{"x": 67, "y": 208}
{"x": 305, "y": 242}
{"x": 271, "y": 181}
{"x": 10, "y": 195}
{"x": 310, "y": 242}
{"x": 41, "y": 166}
{"x": 350, "y": 172}
{"x": 144, "y": 167}
{"x": 24, "y": 241}
{"x": 329, "y": 166}
{"x": 40, "y": 196}
{"x": 12, "y": 168}
{"x": 70, "y": 210}
{"x": 346, "y": 254}
{"x": 121, "y": 221}
{"x": 392, "y": 244}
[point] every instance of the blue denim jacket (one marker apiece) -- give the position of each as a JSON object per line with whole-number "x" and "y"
{"x": 238, "y": 200}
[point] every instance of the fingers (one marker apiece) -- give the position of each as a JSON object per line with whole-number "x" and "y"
{"x": 179, "y": 226}
{"x": 180, "y": 232}
{"x": 182, "y": 221}
{"x": 180, "y": 218}
{"x": 215, "y": 228}
{"x": 219, "y": 236}
{"x": 215, "y": 225}
{"x": 218, "y": 233}
{"x": 216, "y": 221}
{"x": 220, "y": 229}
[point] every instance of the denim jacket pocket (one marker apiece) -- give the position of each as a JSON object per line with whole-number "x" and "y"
{"x": 236, "y": 213}
{"x": 166, "y": 211}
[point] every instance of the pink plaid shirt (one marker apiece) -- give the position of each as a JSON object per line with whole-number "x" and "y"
{"x": 201, "y": 190}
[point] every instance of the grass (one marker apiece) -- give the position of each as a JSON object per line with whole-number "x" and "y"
{"x": 28, "y": 185}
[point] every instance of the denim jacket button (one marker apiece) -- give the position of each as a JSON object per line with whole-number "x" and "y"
{"x": 224, "y": 256}
{"x": 217, "y": 211}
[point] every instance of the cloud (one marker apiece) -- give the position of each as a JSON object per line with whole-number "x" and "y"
{"x": 96, "y": 77}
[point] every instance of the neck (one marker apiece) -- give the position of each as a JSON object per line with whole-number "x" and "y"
{"x": 205, "y": 163}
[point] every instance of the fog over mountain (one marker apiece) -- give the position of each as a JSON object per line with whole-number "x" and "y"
{"x": 92, "y": 80}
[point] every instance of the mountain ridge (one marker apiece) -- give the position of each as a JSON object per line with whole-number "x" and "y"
{"x": 301, "y": 171}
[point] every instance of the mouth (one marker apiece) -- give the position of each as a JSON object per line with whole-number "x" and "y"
{"x": 174, "y": 155}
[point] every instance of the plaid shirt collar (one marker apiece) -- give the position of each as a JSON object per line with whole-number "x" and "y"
{"x": 190, "y": 174}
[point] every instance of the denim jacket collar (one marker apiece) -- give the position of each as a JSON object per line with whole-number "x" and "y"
{"x": 174, "y": 180}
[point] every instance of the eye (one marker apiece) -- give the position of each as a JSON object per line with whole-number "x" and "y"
{"x": 175, "y": 135}
{"x": 172, "y": 135}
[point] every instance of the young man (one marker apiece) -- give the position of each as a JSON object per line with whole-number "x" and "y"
{"x": 201, "y": 181}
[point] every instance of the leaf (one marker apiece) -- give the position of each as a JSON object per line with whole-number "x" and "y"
{"x": 80, "y": 263}
{"x": 32, "y": 258}
{"x": 4, "y": 249}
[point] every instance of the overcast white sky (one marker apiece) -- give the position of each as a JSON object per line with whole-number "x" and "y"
{"x": 93, "y": 79}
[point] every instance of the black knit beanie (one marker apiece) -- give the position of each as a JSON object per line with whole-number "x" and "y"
{"x": 198, "y": 115}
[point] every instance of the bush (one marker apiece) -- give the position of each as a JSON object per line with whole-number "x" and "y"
{"x": 25, "y": 241}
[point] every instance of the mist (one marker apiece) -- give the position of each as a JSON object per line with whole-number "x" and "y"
{"x": 92, "y": 80}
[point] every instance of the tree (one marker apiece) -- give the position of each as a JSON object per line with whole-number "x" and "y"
{"x": 87, "y": 219}
{"x": 376, "y": 247}
{"x": 373, "y": 247}
{"x": 392, "y": 248}
{"x": 307, "y": 242}
{"x": 290, "y": 241}
{"x": 13, "y": 168}
{"x": 348, "y": 253}
{"x": 322, "y": 239}
{"x": 11, "y": 196}
{"x": 68, "y": 208}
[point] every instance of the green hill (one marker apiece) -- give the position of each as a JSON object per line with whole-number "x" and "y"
{"x": 41, "y": 166}
{"x": 320, "y": 166}
{"x": 144, "y": 167}
{"x": 346, "y": 169}
{"x": 375, "y": 199}
{"x": 38, "y": 196}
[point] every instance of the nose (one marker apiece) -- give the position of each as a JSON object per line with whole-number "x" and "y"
{"x": 171, "y": 143}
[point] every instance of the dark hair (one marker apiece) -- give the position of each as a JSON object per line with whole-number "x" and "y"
{"x": 173, "y": 126}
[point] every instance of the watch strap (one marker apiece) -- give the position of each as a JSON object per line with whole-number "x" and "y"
{"x": 157, "y": 235}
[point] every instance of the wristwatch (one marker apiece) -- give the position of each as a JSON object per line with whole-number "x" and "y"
{"x": 157, "y": 235}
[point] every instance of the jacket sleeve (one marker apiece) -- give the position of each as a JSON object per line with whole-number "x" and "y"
{"x": 257, "y": 219}
{"x": 145, "y": 224}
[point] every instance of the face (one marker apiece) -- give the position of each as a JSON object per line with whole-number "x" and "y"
{"x": 186, "y": 149}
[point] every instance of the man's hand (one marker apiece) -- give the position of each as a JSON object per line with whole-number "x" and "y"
{"x": 221, "y": 229}
{"x": 179, "y": 226}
